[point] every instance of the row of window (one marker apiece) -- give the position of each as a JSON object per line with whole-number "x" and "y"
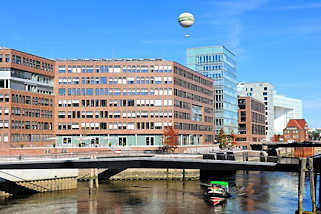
{"x": 31, "y": 113}
{"x": 115, "y": 114}
{"x": 191, "y": 96}
{"x": 122, "y": 141}
{"x": 113, "y": 103}
{"x": 113, "y": 126}
{"x": 4, "y": 58}
{"x": 192, "y": 76}
{"x": 192, "y": 86}
{"x": 209, "y": 58}
{"x": 30, "y": 76}
{"x": 27, "y": 62}
{"x": 18, "y": 124}
{"x": 4, "y": 124}
{"x": 118, "y": 92}
{"x": 4, "y": 98}
{"x": 17, "y": 138}
{"x": 113, "y": 68}
{"x": 31, "y": 100}
{"x": 113, "y": 80}
{"x": 258, "y": 118}
{"x": 194, "y": 127}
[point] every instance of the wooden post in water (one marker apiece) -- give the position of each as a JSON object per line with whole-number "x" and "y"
{"x": 167, "y": 174}
{"x": 96, "y": 175}
{"x": 301, "y": 184}
{"x": 312, "y": 185}
{"x": 91, "y": 178}
{"x": 183, "y": 175}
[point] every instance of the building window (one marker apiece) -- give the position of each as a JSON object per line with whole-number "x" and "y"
{"x": 66, "y": 140}
{"x": 7, "y": 58}
{"x": 61, "y": 91}
{"x": 243, "y": 116}
{"x": 122, "y": 141}
{"x": 149, "y": 141}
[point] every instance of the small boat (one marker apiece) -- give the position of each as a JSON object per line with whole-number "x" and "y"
{"x": 218, "y": 189}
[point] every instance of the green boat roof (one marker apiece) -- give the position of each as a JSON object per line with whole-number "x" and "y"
{"x": 223, "y": 183}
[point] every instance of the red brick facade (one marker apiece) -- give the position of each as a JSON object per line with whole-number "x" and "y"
{"x": 251, "y": 120}
{"x": 26, "y": 100}
{"x": 296, "y": 131}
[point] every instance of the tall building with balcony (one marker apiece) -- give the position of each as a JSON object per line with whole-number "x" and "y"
{"x": 128, "y": 103}
{"x": 218, "y": 63}
{"x": 26, "y": 99}
{"x": 251, "y": 119}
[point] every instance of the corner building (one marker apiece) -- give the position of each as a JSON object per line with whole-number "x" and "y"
{"x": 26, "y": 99}
{"x": 128, "y": 103}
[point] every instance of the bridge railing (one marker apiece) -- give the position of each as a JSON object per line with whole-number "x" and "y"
{"x": 78, "y": 155}
{"x": 248, "y": 155}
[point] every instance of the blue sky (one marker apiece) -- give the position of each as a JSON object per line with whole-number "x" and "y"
{"x": 275, "y": 41}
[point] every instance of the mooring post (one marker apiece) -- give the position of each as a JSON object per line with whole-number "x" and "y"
{"x": 96, "y": 175}
{"x": 301, "y": 184}
{"x": 91, "y": 178}
{"x": 312, "y": 185}
{"x": 183, "y": 175}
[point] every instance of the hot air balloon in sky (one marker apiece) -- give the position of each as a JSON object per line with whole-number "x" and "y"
{"x": 186, "y": 20}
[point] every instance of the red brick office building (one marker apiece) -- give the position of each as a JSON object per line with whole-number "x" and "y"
{"x": 102, "y": 103}
{"x": 251, "y": 120}
{"x": 26, "y": 99}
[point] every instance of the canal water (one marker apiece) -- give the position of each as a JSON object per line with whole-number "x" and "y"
{"x": 252, "y": 192}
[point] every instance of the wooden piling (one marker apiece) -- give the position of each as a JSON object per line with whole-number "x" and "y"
{"x": 312, "y": 185}
{"x": 96, "y": 174}
{"x": 96, "y": 178}
{"x": 183, "y": 175}
{"x": 167, "y": 173}
{"x": 91, "y": 180}
{"x": 301, "y": 184}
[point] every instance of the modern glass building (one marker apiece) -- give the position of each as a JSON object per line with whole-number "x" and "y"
{"x": 219, "y": 64}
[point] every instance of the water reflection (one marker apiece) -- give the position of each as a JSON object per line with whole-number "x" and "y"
{"x": 253, "y": 192}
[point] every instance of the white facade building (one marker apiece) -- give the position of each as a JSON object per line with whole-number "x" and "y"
{"x": 278, "y": 108}
{"x": 285, "y": 108}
